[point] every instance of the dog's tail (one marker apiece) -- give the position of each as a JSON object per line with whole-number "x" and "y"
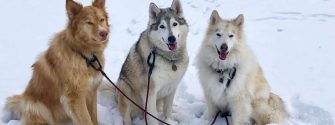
{"x": 278, "y": 107}
{"x": 13, "y": 108}
{"x": 270, "y": 110}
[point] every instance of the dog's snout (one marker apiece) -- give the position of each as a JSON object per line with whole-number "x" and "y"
{"x": 224, "y": 47}
{"x": 103, "y": 34}
{"x": 172, "y": 39}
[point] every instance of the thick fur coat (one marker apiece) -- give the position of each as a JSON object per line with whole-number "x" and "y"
{"x": 248, "y": 95}
{"x": 63, "y": 88}
{"x": 166, "y": 34}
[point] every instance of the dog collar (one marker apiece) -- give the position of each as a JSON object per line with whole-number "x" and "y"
{"x": 172, "y": 57}
{"x": 226, "y": 75}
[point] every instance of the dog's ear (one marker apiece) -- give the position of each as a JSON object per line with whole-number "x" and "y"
{"x": 153, "y": 11}
{"x": 239, "y": 21}
{"x": 176, "y": 6}
{"x": 99, "y": 4}
{"x": 72, "y": 8}
{"x": 215, "y": 17}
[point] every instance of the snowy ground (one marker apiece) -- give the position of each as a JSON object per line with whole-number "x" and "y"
{"x": 293, "y": 39}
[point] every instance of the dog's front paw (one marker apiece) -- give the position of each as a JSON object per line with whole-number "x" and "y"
{"x": 170, "y": 121}
{"x": 207, "y": 116}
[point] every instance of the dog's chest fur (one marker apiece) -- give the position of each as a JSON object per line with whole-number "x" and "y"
{"x": 95, "y": 80}
{"x": 165, "y": 79}
{"x": 219, "y": 93}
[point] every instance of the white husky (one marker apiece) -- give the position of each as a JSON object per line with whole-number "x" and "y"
{"x": 231, "y": 77}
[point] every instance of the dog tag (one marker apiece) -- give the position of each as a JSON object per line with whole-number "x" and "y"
{"x": 174, "y": 67}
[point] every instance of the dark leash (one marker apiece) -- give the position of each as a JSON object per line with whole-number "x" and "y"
{"x": 151, "y": 63}
{"x": 225, "y": 115}
{"x": 90, "y": 63}
{"x": 232, "y": 77}
{"x": 221, "y": 80}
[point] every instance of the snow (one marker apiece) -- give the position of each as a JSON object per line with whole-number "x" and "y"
{"x": 293, "y": 40}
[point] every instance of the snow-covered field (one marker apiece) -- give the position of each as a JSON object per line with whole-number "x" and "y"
{"x": 293, "y": 39}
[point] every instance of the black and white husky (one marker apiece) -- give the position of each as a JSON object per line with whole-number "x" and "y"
{"x": 166, "y": 37}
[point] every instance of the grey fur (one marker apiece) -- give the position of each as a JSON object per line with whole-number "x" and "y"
{"x": 137, "y": 57}
{"x": 166, "y": 14}
{"x": 133, "y": 77}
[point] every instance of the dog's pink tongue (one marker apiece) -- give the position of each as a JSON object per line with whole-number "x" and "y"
{"x": 223, "y": 55}
{"x": 172, "y": 47}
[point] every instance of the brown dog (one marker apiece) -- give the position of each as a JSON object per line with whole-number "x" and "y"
{"x": 63, "y": 87}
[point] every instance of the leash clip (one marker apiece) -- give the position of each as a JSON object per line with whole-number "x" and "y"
{"x": 90, "y": 62}
{"x": 151, "y": 60}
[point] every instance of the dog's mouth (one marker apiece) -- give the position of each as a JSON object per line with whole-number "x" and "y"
{"x": 172, "y": 46}
{"x": 103, "y": 40}
{"x": 222, "y": 54}
{"x": 99, "y": 40}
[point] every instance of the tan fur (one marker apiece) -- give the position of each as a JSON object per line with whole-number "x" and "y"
{"x": 248, "y": 96}
{"x": 63, "y": 87}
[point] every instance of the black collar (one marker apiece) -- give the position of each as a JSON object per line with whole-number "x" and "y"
{"x": 231, "y": 75}
{"x": 93, "y": 61}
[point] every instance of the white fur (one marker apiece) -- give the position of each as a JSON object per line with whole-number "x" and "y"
{"x": 164, "y": 80}
{"x": 176, "y": 30}
{"x": 161, "y": 35}
{"x": 244, "y": 96}
{"x": 96, "y": 81}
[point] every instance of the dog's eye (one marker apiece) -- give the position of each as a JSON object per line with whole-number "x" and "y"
{"x": 102, "y": 20}
{"x": 90, "y": 23}
{"x": 231, "y": 36}
{"x": 218, "y": 34}
{"x": 174, "y": 24}
{"x": 162, "y": 26}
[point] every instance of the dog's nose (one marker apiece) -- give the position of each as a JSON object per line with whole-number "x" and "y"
{"x": 103, "y": 34}
{"x": 224, "y": 47}
{"x": 172, "y": 39}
